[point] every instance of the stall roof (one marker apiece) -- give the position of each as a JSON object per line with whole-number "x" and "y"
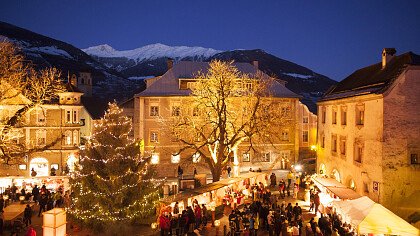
{"x": 209, "y": 187}
{"x": 344, "y": 193}
{"x": 339, "y": 189}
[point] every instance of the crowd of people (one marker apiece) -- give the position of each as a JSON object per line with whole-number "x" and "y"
{"x": 45, "y": 198}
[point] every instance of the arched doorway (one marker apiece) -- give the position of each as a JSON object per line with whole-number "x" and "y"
{"x": 40, "y": 165}
{"x": 336, "y": 175}
{"x": 322, "y": 169}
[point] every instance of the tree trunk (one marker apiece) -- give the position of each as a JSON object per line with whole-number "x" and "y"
{"x": 216, "y": 173}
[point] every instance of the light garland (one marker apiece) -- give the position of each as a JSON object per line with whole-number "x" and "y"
{"x": 100, "y": 193}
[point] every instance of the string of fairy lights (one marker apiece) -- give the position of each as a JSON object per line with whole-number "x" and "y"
{"x": 88, "y": 204}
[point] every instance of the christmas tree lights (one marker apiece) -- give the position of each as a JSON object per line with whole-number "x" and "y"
{"x": 113, "y": 182}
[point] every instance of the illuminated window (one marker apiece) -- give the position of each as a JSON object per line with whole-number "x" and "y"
{"x": 196, "y": 157}
{"x": 68, "y": 138}
{"x": 246, "y": 157}
{"x": 71, "y": 162}
{"x": 175, "y": 158}
{"x": 154, "y": 111}
{"x": 305, "y": 136}
{"x": 305, "y": 120}
{"x": 155, "y": 158}
{"x": 352, "y": 185}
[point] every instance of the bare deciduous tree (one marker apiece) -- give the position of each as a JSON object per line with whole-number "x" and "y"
{"x": 22, "y": 89}
{"x": 227, "y": 108}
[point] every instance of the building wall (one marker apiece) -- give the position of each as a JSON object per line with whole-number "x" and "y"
{"x": 307, "y": 122}
{"x": 368, "y": 136}
{"x": 144, "y": 124}
{"x": 51, "y": 121}
{"x": 401, "y": 139}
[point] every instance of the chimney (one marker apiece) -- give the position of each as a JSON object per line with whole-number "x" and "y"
{"x": 170, "y": 63}
{"x": 255, "y": 63}
{"x": 387, "y": 55}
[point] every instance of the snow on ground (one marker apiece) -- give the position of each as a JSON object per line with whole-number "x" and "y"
{"x": 151, "y": 51}
{"x": 298, "y": 75}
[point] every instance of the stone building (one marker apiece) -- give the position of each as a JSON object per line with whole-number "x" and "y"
{"x": 307, "y": 125}
{"x": 55, "y": 125}
{"x": 150, "y": 107}
{"x": 369, "y": 132}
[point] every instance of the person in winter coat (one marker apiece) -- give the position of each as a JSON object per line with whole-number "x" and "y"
{"x": 27, "y": 215}
{"x": 42, "y": 204}
{"x": 31, "y": 232}
{"x": 164, "y": 224}
{"x": 197, "y": 213}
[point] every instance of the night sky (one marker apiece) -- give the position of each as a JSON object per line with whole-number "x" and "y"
{"x": 333, "y": 38}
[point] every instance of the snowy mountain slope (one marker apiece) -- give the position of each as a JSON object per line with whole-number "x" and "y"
{"x": 44, "y": 52}
{"x": 152, "y": 51}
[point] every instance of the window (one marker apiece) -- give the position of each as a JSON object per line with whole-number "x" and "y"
{"x": 41, "y": 137}
{"x": 154, "y": 111}
{"x": 75, "y": 137}
{"x": 154, "y": 137}
{"x": 343, "y": 146}
{"x": 175, "y": 136}
{"x": 358, "y": 152}
{"x": 284, "y": 155}
{"x": 334, "y": 117}
{"x": 196, "y": 111}
{"x": 40, "y": 116}
{"x": 324, "y": 114}
{"x": 75, "y": 117}
{"x": 285, "y": 136}
{"x": 323, "y": 141}
{"x": 266, "y": 157}
{"x": 67, "y": 138}
{"x": 305, "y": 136}
{"x": 365, "y": 187}
{"x": 305, "y": 120}
{"x": 334, "y": 143}
{"x": 68, "y": 116}
{"x": 175, "y": 158}
{"x": 155, "y": 158}
{"x": 285, "y": 111}
{"x": 360, "y": 115}
{"x": 196, "y": 157}
{"x": 343, "y": 115}
{"x": 246, "y": 157}
{"x": 414, "y": 158}
{"x": 176, "y": 111}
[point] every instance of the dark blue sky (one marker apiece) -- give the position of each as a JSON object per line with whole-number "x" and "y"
{"x": 330, "y": 37}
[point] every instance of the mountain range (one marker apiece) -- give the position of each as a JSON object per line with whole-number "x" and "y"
{"x": 118, "y": 75}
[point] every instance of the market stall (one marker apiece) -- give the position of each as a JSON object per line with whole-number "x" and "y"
{"x": 331, "y": 190}
{"x": 369, "y": 217}
{"x": 52, "y": 183}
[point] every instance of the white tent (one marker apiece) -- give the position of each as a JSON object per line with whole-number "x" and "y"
{"x": 372, "y": 218}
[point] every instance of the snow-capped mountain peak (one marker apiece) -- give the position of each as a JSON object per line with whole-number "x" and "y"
{"x": 151, "y": 51}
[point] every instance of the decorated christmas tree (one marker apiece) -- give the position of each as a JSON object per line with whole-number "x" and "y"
{"x": 113, "y": 182}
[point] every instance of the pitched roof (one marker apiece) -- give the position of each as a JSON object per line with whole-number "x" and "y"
{"x": 372, "y": 79}
{"x": 168, "y": 84}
